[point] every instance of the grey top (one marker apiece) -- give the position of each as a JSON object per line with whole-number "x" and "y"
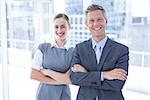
{"x": 57, "y": 59}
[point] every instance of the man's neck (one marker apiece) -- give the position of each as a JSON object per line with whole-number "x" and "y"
{"x": 99, "y": 38}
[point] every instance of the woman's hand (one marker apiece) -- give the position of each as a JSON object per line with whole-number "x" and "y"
{"x": 62, "y": 78}
{"x": 79, "y": 68}
{"x": 45, "y": 71}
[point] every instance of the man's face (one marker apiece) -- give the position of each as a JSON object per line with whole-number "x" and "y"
{"x": 96, "y": 23}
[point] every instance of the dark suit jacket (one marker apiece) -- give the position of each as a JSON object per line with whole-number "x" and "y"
{"x": 114, "y": 55}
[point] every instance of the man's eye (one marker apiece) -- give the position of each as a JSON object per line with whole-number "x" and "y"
{"x": 100, "y": 20}
{"x": 91, "y": 20}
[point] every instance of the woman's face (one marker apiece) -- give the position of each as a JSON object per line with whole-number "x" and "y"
{"x": 61, "y": 28}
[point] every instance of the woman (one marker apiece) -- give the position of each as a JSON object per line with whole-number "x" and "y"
{"x": 51, "y": 64}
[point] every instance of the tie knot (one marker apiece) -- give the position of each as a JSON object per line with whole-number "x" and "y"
{"x": 98, "y": 47}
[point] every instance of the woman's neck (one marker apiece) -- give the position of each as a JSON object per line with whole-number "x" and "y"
{"x": 61, "y": 42}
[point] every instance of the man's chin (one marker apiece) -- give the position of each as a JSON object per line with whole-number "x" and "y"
{"x": 96, "y": 34}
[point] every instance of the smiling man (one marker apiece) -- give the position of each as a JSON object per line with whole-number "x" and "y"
{"x": 99, "y": 65}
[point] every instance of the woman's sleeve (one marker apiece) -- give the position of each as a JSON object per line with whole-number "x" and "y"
{"x": 37, "y": 60}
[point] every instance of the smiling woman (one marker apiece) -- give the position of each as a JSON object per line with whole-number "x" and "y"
{"x": 52, "y": 62}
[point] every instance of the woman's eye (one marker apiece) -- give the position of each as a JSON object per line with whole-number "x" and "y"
{"x": 62, "y": 26}
{"x": 56, "y": 26}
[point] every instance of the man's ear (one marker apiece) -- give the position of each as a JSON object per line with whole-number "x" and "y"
{"x": 106, "y": 21}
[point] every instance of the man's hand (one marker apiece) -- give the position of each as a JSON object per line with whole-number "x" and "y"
{"x": 78, "y": 68}
{"x": 117, "y": 73}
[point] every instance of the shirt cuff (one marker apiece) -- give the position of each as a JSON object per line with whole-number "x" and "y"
{"x": 102, "y": 76}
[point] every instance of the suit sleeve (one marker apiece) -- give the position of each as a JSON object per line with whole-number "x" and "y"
{"x": 83, "y": 78}
{"x": 94, "y": 78}
{"x": 122, "y": 62}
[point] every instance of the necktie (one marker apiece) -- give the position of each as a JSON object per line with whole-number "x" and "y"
{"x": 98, "y": 53}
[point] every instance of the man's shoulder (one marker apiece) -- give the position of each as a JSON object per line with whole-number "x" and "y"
{"x": 118, "y": 44}
{"x": 86, "y": 42}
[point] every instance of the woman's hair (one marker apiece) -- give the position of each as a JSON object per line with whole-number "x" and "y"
{"x": 94, "y": 7}
{"x": 62, "y": 16}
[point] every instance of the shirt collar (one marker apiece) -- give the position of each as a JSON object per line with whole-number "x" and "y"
{"x": 100, "y": 43}
{"x": 66, "y": 46}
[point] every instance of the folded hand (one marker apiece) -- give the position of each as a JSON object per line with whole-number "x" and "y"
{"x": 79, "y": 68}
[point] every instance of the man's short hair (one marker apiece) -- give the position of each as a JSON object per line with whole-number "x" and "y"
{"x": 94, "y": 7}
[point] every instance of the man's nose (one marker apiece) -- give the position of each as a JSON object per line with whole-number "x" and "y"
{"x": 96, "y": 22}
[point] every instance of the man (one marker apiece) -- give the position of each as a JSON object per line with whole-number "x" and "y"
{"x": 100, "y": 65}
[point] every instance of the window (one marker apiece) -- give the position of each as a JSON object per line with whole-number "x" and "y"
{"x": 26, "y": 21}
{"x": 25, "y": 27}
{"x": 81, "y": 21}
{"x": 137, "y": 20}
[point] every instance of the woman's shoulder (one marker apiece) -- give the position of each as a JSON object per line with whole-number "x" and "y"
{"x": 44, "y": 46}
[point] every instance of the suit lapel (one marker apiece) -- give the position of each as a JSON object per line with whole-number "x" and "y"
{"x": 91, "y": 52}
{"x": 105, "y": 52}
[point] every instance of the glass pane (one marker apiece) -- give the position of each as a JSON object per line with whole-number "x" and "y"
{"x": 24, "y": 33}
{"x": 1, "y": 87}
{"x": 3, "y": 46}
